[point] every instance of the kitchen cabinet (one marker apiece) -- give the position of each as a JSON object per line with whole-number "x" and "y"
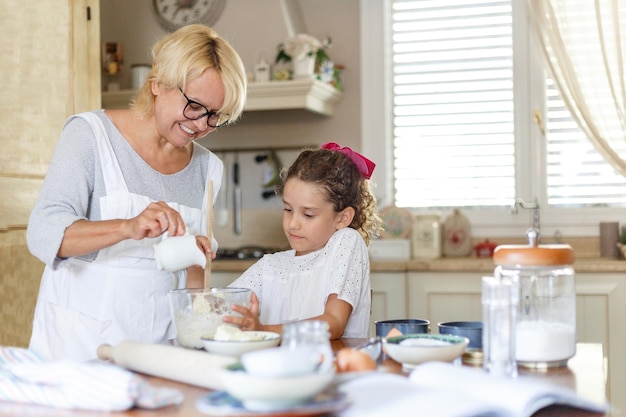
{"x": 600, "y": 314}
{"x": 388, "y": 297}
{"x": 311, "y": 95}
{"x": 51, "y": 69}
{"x": 437, "y": 296}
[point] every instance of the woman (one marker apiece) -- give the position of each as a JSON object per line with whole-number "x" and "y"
{"x": 118, "y": 180}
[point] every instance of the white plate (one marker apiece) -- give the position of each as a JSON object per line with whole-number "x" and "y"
{"x": 261, "y": 393}
{"x": 398, "y": 223}
{"x": 237, "y": 348}
{"x": 413, "y": 349}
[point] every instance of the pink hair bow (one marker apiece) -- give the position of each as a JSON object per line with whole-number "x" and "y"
{"x": 364, "y": 165}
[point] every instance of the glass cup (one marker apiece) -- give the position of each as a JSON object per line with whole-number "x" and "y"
{"x": 500, "y": 300}
{"x": 312, "y": 336}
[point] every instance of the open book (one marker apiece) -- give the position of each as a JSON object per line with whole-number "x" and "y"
{"x": 436, "y": 389}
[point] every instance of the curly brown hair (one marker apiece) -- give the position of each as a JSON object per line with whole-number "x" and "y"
{"x": 342, "y": 184}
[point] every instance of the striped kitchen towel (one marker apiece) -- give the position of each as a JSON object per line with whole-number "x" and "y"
{"x": 94, "y": 385}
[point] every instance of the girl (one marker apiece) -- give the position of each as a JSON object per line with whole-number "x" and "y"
{"x": 329, "y": 218}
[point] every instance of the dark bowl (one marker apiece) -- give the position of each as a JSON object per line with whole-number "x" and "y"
{"x": 405, "y": 326}
{"x": 473, "y": 330}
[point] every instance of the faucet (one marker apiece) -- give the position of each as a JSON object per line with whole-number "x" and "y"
{"x": 534, "y": 206}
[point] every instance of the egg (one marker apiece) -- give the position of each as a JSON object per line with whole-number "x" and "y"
{"x": 352, "y": 360}
{"x": 393, "y": 332}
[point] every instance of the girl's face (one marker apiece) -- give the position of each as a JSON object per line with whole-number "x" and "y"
{"x": 309, "y": 219}
{"x": 171, "y": 124}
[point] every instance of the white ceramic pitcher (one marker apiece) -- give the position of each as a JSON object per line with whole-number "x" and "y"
{"x": 178, "y": 252}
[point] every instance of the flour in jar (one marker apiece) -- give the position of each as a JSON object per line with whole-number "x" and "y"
{"x": 544, "y": 341}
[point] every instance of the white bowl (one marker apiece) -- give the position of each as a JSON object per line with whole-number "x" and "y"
{"x": 413, "y": 349}
{"x": 262, "y": 393}
{"x": 238, "y": 347}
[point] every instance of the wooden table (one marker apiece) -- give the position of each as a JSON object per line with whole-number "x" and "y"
{"x": 584, "y": 373}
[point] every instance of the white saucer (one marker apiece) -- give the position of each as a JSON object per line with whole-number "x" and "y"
{"x": 264, "y": 393}
{"x": 221, "y": 403}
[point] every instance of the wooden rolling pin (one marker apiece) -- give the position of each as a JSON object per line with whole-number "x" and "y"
{"x": 176, "y": 363}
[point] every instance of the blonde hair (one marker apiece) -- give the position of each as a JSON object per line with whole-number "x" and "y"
{"x": 342, "y": 184}
{"x": 184, "y": 55}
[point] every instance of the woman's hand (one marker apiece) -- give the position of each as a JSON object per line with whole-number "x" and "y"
{"x": 156, "y": 219}
{"x": 205, "y": 245}
{"x": 84, "y": 236}
{"x": 250, "y": 319}
{"x": 195, "y": 273}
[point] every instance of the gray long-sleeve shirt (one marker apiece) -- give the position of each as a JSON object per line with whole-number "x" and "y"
{"x": 74, "y": 184}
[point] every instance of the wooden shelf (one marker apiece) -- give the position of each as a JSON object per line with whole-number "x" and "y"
{"x": 311, "y": 95}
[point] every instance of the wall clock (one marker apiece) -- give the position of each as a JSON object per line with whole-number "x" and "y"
{"x": 173, "y": 14}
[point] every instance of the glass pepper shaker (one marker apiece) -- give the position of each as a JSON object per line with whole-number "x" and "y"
{"x": 546, "y": 316}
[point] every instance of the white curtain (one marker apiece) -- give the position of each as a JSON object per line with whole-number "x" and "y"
{"x": 584, "y": 46}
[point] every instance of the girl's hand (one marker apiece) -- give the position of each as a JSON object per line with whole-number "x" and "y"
{"x": 156, "y": 219}
{"x": 250, "y": 319}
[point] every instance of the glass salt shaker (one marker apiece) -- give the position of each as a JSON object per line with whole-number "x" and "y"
{"x": 311, "y": 335}
{"x": 546, "y": 316}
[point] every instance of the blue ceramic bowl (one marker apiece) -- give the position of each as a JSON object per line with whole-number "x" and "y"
{"x": 473, "y": 330}
{"x": 405, "y": 326}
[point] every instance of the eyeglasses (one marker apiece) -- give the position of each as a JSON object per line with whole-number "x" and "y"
{"x": 196, "y": 111}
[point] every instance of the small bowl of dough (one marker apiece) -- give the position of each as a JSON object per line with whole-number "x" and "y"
{"x": 231, "y": 341}
{"x": 198, "y": 312}
{"x": 413, "y": 349}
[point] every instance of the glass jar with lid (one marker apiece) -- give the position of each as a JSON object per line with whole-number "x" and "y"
{"x": 546, "y": 317}
{"x": 426, "y": 236}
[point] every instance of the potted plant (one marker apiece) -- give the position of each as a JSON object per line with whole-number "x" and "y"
{"x": 306, "y": 53}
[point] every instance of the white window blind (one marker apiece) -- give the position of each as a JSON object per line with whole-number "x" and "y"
{"x": 453, "y": 103}
{"x": 577, "y": 174}
{"x": 453, "y": 115}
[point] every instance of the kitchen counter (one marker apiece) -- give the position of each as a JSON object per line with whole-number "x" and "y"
{"x": 468, "y": 264}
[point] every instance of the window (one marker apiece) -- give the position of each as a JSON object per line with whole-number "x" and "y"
{"x": 464, "y": 92}
{"x": 453, "y": 115}
{"x": 577, "y": 174}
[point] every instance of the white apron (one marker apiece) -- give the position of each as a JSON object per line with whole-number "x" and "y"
{"x": 120, "y": 295}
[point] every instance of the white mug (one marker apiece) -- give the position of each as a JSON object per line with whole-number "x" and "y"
{"x": 178, "y": 252}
